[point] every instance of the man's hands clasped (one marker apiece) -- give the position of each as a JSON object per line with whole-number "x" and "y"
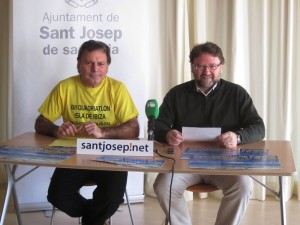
{"x": 89, "y": 128}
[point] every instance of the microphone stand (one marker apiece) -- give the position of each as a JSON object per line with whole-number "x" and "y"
{"x": 150, "y": 130}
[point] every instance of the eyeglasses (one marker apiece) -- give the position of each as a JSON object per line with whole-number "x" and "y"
{"x": 202, "y": 67}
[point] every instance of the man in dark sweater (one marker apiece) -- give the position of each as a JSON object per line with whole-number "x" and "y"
{"x": 207, "y": 101}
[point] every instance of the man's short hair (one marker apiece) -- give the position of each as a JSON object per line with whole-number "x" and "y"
{"x": 92, "y": 45}
{"x": 208, "y": 48}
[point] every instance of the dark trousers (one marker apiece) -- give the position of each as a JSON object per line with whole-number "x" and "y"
{"x": 63, "y": 193}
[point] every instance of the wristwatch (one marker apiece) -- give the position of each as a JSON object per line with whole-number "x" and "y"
{"x": 238, "y": 137}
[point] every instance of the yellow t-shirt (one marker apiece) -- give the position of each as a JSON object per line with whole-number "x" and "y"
{"x": 109, "y": 104}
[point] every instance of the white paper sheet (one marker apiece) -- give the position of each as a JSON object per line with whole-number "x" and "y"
{"x": 200, "y": 134}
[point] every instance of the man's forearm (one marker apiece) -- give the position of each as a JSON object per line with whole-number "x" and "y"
{"x": 45, "y": 126}
{"x": 253, "y": 132}
{"x": 130, "y": 129}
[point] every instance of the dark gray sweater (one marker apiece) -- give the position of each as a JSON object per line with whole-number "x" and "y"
{"x": 228, "y": 106}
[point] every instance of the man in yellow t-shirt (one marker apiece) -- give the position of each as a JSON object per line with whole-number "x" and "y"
{"x": 99, "y": 106}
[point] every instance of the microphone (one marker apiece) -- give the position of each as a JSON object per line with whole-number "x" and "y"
{"x": 152, "y": 113}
